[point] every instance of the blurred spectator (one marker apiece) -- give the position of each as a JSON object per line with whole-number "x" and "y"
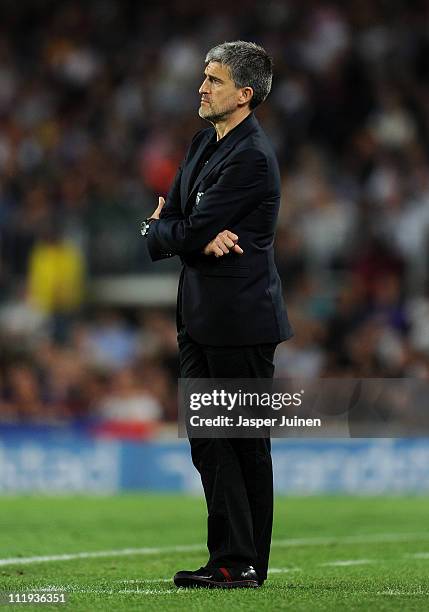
{"x": 108, "y": 342}
{"x": 128, "y": 410}
{"x": 21, "y": 323}
{"x": 56, "y": 280}
{"x": 23, "y": 395}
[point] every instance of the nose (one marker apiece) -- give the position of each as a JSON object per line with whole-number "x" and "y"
{"x": 204, "y": 87}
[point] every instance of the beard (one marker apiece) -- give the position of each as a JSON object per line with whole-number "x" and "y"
{"x": 214, "y": 116}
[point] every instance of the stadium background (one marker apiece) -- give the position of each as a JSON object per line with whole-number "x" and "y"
{"x": 98, "y": 101}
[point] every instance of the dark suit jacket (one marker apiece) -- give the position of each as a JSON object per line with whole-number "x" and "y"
{"x": 235, "y": 299}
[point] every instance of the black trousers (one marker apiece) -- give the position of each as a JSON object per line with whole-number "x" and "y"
{"x": 236, "y": 474}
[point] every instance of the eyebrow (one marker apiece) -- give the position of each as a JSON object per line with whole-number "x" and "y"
{"x": 215, "y": 78}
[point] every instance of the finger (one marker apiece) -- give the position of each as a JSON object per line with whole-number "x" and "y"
{"x": 222, "y": 246}
{"x": 210, "y": 247}
{"x": 161, "y": 201}
{"x": 217, "y": 251}
{"x": 228, "y": 243}
{"x": 230, "y": 235}
{"x": 237, "y": 249}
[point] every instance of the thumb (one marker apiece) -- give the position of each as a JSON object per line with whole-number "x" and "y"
{"x": 161, "y": 202}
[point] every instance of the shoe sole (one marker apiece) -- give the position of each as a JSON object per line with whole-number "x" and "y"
{"x": 198, "y": 583}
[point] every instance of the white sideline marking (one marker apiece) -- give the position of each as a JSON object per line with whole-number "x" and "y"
{"x": 419, "y": 555}
{"x": 91, "y": 591}
{"x": 393, "y": 592}
{"x": 101, "y": 553}
{"x": 153, "y": 591}
{"x": 360, "y": 539}
{"x": 88, "y": 590}
{"x": 353, "y": 539}
{"x": 283, "y": 570}
{"x": 54, "y": 587}
{"x": 143, "y": 580}
{"x": 347, "y": 562}
{"x": 94, "y": 591}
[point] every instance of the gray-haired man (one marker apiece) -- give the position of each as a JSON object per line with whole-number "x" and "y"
{"x": 220, "y": 218}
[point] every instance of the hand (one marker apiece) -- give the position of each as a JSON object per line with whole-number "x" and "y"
{"x": 224, "y": 242}
{"x": 157, "y": 212}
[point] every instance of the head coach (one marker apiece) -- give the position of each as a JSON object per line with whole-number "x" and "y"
{"x": 219, "y": 218}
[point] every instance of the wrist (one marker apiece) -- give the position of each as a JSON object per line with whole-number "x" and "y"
{"x": 145, "y": 225}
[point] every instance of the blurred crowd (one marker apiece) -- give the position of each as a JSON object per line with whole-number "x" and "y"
{"x": 98, "y": 102}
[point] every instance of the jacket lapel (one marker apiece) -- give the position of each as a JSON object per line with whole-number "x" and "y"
{"x": 188, "y": 170}
{"x": 242, "y": 130}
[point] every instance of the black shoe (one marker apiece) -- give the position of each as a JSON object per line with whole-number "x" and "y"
{"x": 219, "y": 577}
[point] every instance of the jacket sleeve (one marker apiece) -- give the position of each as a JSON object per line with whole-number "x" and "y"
{"x": 172, "y": 211}
{"x": 240, "y": 188}
{"x": 172, "y": 208}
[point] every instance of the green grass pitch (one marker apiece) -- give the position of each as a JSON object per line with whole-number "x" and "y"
{"x": 329, "y": 553}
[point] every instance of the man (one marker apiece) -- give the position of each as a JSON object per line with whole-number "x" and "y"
{"x": 220, "y": 218}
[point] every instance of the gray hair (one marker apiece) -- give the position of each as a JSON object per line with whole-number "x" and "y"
{"x": 249, "y": 66}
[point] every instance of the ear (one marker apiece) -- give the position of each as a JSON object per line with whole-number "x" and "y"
{"x": 246, "y": 94}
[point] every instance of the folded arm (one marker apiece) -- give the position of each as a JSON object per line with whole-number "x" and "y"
{"x": 240, "y": 187}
